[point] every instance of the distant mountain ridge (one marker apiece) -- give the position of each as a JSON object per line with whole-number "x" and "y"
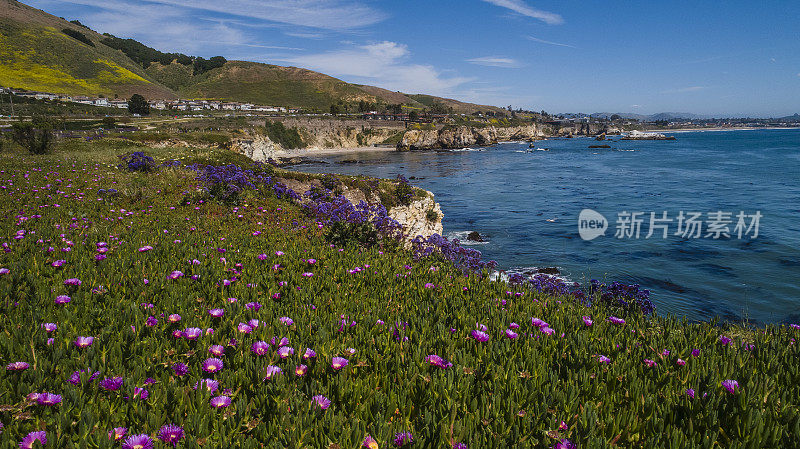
{"x": 41, "y": 52}
{"x": 652, "y": 117}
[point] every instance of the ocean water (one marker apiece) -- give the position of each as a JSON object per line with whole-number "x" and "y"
{"x": 526, "y": 205}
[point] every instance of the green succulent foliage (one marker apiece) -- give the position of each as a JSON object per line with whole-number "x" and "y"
{"x": 498, "y": 394}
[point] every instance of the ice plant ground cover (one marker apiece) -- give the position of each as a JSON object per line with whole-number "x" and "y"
{"x": 136, "y": 317}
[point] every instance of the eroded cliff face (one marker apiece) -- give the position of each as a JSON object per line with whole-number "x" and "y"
{"x": 415, "y": 218}
{"x": 454, "y": 137}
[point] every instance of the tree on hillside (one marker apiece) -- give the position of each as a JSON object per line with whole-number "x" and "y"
{"x": 413, "y": 116}
{"x": 138, "y": 105}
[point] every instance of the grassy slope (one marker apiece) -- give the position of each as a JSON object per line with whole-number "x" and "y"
{"x": 273, "y": 85}
{"x": 36, "y": 55}
{"x": 499, "y": 394}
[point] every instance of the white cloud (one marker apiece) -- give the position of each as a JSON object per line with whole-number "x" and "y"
{"x": 520, "y": 7}
{"x": 382, "y": 64}
{"x": 323, "y": 14}
{"x": 496, "y": 61}
{"x": 684, "y": 90}
{"x": 542, "y": 41}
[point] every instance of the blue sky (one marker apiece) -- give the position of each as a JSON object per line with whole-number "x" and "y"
{"x": 718, "y": 58}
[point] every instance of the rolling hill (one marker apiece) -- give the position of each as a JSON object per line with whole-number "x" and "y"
{"x": 41, "y": 52}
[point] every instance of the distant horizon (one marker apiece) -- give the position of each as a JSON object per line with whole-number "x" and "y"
{"x": 534, "y": 55}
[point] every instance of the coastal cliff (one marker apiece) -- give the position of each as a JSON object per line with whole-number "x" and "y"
{"x": 453, "y": 137}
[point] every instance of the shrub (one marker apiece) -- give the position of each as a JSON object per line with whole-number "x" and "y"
{"x": 36, "y": 137}
{"x": 138, "y": 105}
{"x": 288, "y": 138}
{"x": 403, "y": 192}
{"x": 432, "y": 215}
{"x": 137, "y": 162}
{"x": 77, "y": 35}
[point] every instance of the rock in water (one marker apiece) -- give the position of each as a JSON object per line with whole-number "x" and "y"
{"x": 474, "y": 236}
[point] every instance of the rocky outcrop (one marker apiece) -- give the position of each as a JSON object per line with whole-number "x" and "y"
{"x": 455, "y": 137}
{"x": 417, "y": 218}
{"x": 258, "y": 148}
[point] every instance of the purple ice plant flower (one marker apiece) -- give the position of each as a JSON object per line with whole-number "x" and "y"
{"x": 321, "y": 401}
{"x": 724, "y": 340}
{"x": 286, "y": 320}
{"x": 587, "y": 321}
{"x": 174, "y": 318}
{"x": 151, "y": 321}
{"x": 111, "y": 383}
{"x": 58, "y": 263}
{"x": 117, "y": 433}
{"x": 33, "y": 437}
{"x": 603, "y": 359}
{"x": 210, "y": 385}
{"x": 369, "y": 443}
{"x": 730, "y": 385}
{"x": 511, "y": 334}
{"x": 403, "y": 438}
{"x": 180, "y": 369}
{"x": 547, "y": 330}
{"x": 539, "y": 323}
{"x": 141, "y": 441}
{"x": 49, "y": 399}
{"x": 220, "y": 401}
{"x": 244, "y": 328}
{"x": 309, "y": 354}
{"x": 140, "y": 393}
{"x": 192, "y": 333}
{"x": 217, "y": 350}
{"x": 480, "y": 336}
{"x": 695, "y": 353}
{"x": 260, "y": 348}
{"x": 338, "y": 363}
{"x": 170, "y": 434}
{"x": 84, "y": 342}
{"x": 212, "y": 365}
{"x": 565, "y": 444}
{"x": 216, "y": 313}
{"x": 285, "y": 351}
{"x": 74, "y": 282}
{"x": 437, "y": 361}
{"x": 145, "y": 248}
{"x": 690, "y": 393}
{"x": 650, "y": 363}
{"x": 272, "y": 372}
{"x": 615, "y": 320}
{"x": 300, "y": 370}
{"x": 50, "y": 327}
{"x": 175, "y": 275}
{"x": 62, "y": 299}
{"x": 17, "y": 366}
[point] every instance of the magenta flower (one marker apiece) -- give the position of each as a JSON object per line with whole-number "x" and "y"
{"x": 170, "y": 434}
{"x": 216, "y": 313}
{"x": 309, "y": 354}
{"x": 192, "y": 333}
{"x": 695, "y": 353}
{"x": 145, "y": 248}
{"x": 547, "y": 330}
{"x": 254, "y": 306}
{"x": 180, "y": 369}
{"x": 690, "y": 393}
{"x": 321, "y": 401}
{"x": 50, "y": 327}
{"x": 174, "y": 318}
{"x": 539, "y": 323}
{"x": 141, "y": 441}
{"x": 33, "y": 437}
{"x": 278, "y": 253}
{"x": 650, "y": 363}
{"x": 403, "y": 438}
{"x": 285, "y": 351}
{"x": 603, "y": 359}
{"x": 175, "y": 275}
{"x": 480, "y": 336}
{"x": 140, "y": 393}
{"x": 220, "y": 401}
{"x": 565, "y": 444}
{"x": 615, "y": 320}
{"x": 511, "y": 334}
{"x": 117, "y": 433}
{"x": 84, "y": 342}
{"x": 730, "y": 385}
{"x": 272, "y": 372}
{"x": 49, "y": 399}
{"x": 260, "y": 348}
{"x": 587, "y": 321}
{"x": 111, "y": 383}
{"x": 680, "y": 362}
{"x": 437, "y": 361}
{"x": 338, "y": 363}
{"x": 17, "y": 366}
{"x": 210, "y": 385}
{"x": 58, "y": 263}
{"x": 217, "y": 350}
{"x": 151, "y": 321}
{"x": 286, "y": 320}
{"x": 244, "y": 328}
{"x": 75, "y": 282}
{"x": 724, "y": 340}
{"x": 62, "y": 299}
{"x": 212, "y": 365}
{"x": 370, "y": 442}
{"x": 300, "y": 370}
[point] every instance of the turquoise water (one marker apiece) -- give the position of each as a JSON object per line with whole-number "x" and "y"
{"x": 527, "y": 204}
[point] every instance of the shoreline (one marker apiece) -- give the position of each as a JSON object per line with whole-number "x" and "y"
{"x": 719, "y": 129}
{"x": 311, "y": 152}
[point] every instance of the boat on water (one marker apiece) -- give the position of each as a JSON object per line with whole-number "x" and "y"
{"x": 639, "y": 135}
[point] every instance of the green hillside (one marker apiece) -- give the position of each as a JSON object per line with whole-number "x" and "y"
{"x": 36, "y": 54}
{"x": 41, "y": 52}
